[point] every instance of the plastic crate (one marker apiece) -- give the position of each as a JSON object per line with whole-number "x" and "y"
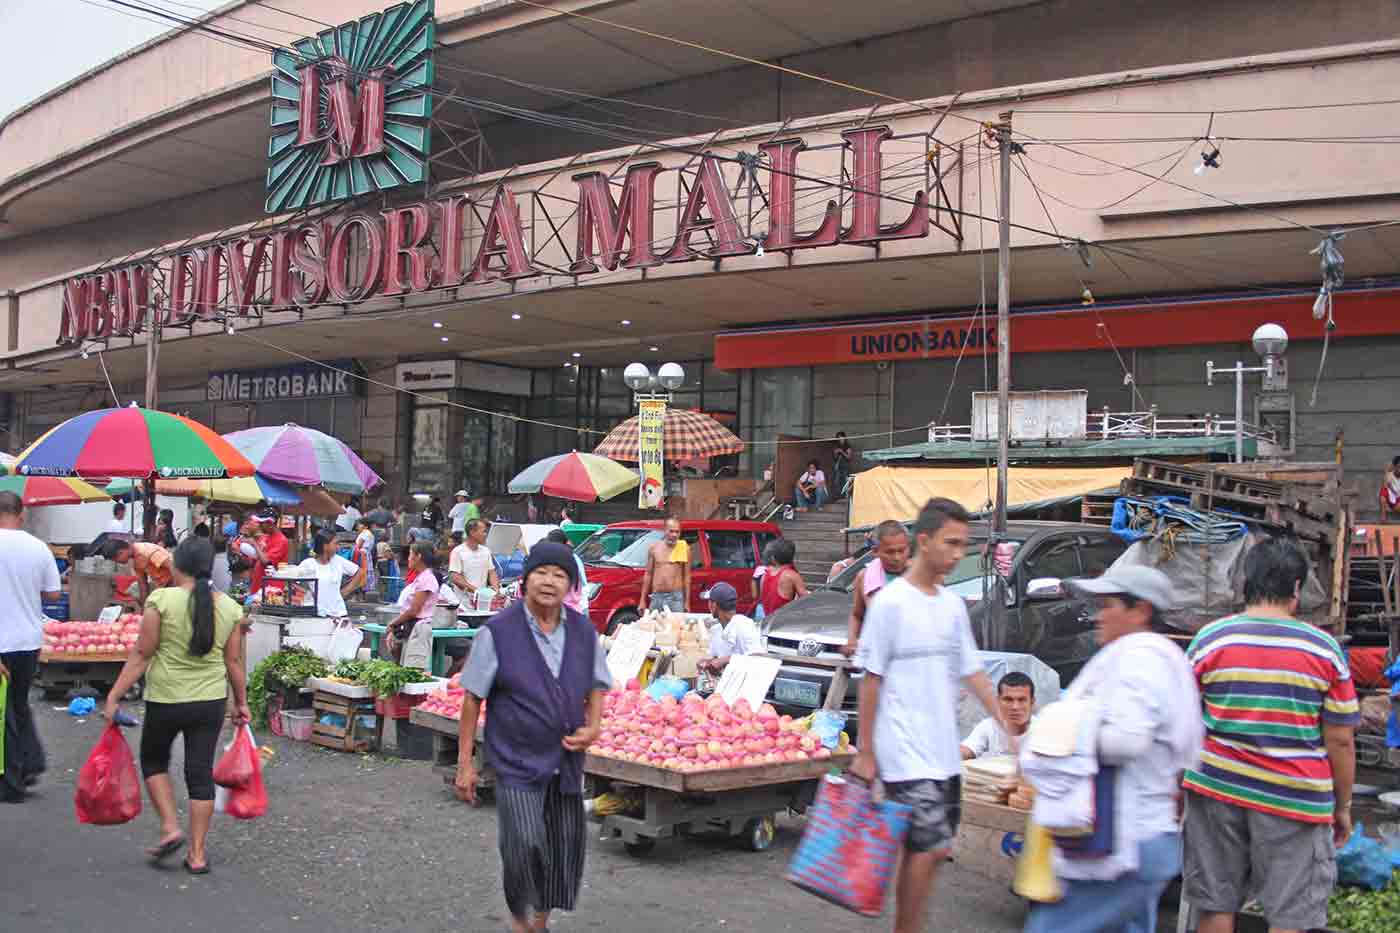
{"x": 398, "y": 707}
{"x": 296, "y": 724}
{"x": 57, "y": 609}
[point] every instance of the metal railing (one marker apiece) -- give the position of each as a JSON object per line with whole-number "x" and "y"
{"x": 1121, "y": 425}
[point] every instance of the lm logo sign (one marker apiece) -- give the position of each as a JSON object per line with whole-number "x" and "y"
{"x": 350, "y": 109}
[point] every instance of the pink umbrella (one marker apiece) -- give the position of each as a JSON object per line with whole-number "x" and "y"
{"x": 306, "y": 457}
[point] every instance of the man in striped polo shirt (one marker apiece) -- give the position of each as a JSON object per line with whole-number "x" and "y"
{"x": 1271, "y": 799}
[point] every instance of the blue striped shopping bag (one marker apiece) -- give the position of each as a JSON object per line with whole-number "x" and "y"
{"x": 850, "y": 847}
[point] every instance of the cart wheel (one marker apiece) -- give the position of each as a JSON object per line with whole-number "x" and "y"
{"x": 758, "y": 833}
{"x": 642, "y": 846}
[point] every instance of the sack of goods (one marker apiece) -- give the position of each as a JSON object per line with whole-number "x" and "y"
{"x": 990, "y": 779}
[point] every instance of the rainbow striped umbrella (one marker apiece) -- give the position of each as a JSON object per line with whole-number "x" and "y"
{"x": 306, "y": 457}
{"x": 575, "y": 476}
{"x": 51, "y": 490}
{"x": 133, "y": 442}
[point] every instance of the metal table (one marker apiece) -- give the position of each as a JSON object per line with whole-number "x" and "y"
{"x": 441, "y": 636}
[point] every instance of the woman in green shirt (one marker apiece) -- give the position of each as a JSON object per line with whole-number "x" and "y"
{"x": 190, "y": 650}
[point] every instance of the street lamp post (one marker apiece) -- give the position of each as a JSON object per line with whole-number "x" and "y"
{"x": 1270, "y": 342}
{"x": 652, "y": 394}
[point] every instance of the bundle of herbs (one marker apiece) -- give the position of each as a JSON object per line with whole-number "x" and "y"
{"x": 289, "y": 669}
{"x": 386, "y": 678}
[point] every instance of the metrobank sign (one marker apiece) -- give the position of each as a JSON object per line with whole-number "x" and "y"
{"x": 351, "y": 117}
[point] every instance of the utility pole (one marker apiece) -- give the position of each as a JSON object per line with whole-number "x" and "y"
{"x": 152, "y": 363}
{"x": 1003, "y": 320}
{"x": 148, "y": 509}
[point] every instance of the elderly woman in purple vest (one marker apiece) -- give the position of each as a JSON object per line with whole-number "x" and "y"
{"x": 542, "y": 673}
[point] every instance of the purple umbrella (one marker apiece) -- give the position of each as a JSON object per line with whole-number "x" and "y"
{"x": 306, "y": 457}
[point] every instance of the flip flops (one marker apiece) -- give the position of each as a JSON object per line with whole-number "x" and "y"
{"x": 165, "y": 849}
{"x": 201, "y": 870}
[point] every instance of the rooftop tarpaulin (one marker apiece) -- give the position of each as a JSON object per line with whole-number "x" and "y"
{"x": 899, "y": 492}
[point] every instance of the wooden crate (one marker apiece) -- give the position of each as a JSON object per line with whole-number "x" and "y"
{"x": 1097, "y": 510}
{"x": 348, "y": 738}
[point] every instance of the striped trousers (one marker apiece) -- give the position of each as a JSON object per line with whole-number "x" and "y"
{"x": 542, "y": 847}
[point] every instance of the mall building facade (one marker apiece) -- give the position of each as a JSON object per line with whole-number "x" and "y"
{"x": 440, "y": 233}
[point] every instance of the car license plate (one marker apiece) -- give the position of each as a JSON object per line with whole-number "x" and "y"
{"x": 797, "y": 692}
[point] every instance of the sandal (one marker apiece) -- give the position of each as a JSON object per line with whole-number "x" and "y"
{"x": 165, "y": 849}
{"x": 201, "y": 870}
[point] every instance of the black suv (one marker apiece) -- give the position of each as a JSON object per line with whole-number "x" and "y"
{"x": 1046, "y": 620}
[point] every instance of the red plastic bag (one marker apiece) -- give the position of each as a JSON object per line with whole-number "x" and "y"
{"x": 236, "y": 765}
{"x": 109, "y": 787}
{"x": 850, "y": 848}
{"x": 249, "y": 801}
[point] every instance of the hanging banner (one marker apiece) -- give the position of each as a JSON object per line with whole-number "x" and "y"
{"x": 651, "y": 429}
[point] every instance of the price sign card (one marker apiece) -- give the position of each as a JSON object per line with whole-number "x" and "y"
{"x": 110, "y": 615}
{"x": 747, "y": 677}
{"x": 628, "y": 652}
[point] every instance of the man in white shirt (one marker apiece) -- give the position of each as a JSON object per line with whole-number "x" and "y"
{"x": 918, "y": 649}
{"x": 1016, "y": 697}
{"x": 470, "y": 567}
{"x": 811, "y": 489}
{"x": 347, "y": 519}
{"x": 733, "y": 635}
{"x": 118, "y": 525}
{"x": 28, "y": 576}
{"x": 463, "y": 511}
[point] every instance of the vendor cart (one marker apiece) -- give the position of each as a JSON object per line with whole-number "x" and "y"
{"x": 58, "y": 674}
{"x": 742, "y": 802}
{"x": 445, "y": 747}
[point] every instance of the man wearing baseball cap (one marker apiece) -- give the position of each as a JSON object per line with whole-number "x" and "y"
{"x": 462, "y": 512}
{"x": 272, "y": 546}
{"x": 540, "y": 669}
{"x": 733, "y": 634}
{"x": 1148, "y": 714}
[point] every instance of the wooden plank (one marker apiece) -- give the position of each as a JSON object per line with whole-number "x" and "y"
{"x": 629, "y": 772}
{"x": 65, "y": 657}
{"x": 993, "y": 815}
{"x": 438, "y": 723}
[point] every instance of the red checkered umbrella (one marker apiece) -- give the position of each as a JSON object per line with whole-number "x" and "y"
{"x": 689, "y": 434}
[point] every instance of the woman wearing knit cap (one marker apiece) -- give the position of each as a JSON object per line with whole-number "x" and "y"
{"x": 543, "y": 674}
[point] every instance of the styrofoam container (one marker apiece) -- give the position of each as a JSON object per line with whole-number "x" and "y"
{"x": 427, "y": 686}
{"x": 349, "y": 691}
{"x": 296, "y": 724}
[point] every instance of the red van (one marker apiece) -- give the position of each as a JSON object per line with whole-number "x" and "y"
{"x": 719, "y": 551}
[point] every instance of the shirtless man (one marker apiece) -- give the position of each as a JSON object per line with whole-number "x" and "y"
{"x": 666, "y": 582}
{"x": 891, "y": 559}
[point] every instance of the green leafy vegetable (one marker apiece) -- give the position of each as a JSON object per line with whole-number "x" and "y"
{"x": 288, "y": 668}
{"x": 1357, "y": 910}
{"x": 386, "y": 678}
{"x": 351, "y": 670}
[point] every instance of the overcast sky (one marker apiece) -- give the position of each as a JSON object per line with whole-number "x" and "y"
{"x": 44, "y": 43}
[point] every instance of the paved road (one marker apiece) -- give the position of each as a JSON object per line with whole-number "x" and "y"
{"x": 370, "y": 843}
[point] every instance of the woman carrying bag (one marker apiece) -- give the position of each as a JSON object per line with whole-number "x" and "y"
{"x": 1139, "y": 721}
{"x": 190, "y": 649}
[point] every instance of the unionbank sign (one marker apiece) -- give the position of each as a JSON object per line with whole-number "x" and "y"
{"x": 350, "y": 109}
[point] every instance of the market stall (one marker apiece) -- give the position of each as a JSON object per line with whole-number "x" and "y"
{"x": 78, "y": 655}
